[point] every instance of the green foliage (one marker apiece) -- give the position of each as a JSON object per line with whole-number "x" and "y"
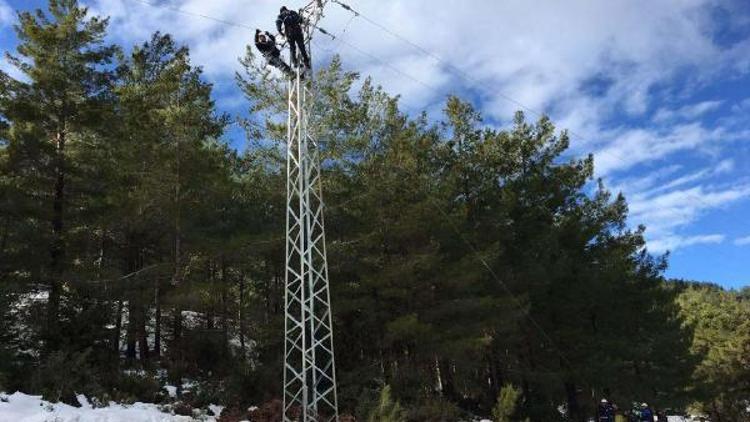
{"x": 507, "y": 403}
{"x": 721, "y": 321}
{"x": 61, "y": 375}
{"x": 435, "y": 409}
{"x": 133, "y": 386}
{"x": 387, "y": 409}
{"x": 463, "y": 259}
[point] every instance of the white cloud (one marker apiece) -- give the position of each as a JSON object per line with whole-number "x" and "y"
{"x": 742, "y": 241}
{"x": 688, "y": 112}
{"x": 213, "y": 45}
{"x": 667, "y": 213}
{"x": 672, "y": 243}
{"x": 641, "y": 183}
{"x": 7, "y": 15}
{"x": 742, "y": 106}
{"x": 538, "y": 54}
{"x": 686, "y": 203}
{"x": 723, "y": 167}
{"x": 591, "y": 65}
{"x": 630, "y": 147}
{"x": 8, "y": 68}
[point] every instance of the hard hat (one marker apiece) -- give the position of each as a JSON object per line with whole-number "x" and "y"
{"x": 604, "y": 400}
{"x": 644, "y": 405}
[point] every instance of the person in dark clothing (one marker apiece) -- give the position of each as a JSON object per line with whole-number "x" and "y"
{"x": 647, "y": 415}
{"x": 289, "y": 24}
{"x": 266, "y": 44}
{"x": 605, "y": 412}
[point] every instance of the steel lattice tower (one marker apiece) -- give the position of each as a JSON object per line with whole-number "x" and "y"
{"x": 309, "y": 365}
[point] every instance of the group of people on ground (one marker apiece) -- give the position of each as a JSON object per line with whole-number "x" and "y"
{"x": 289, "y": 25}
{"x": 608, "y": 412}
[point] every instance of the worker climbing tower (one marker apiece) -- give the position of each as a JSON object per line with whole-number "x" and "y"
{"x": 309, "y": 365}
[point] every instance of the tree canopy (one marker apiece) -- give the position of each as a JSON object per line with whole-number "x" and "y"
{"x": 467, "y": 262}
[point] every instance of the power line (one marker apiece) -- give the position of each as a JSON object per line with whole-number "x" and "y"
{"x": 194, "y": 14}
{"x": 382, "y": 62}
{"x": 509, "y": 292}
{"x": 346, "y": 27}
{"x": 388, "y": 65}
{"x": 465, "y": 75}
{"x": 443, "y": 62}
{"x": 446, "y": 64}
{"x": 517, "y": 302}
{"x": 440, "y": 60}
{"x": 474, "y": 81}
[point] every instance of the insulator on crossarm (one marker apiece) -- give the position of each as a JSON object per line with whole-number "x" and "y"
{"x": 347, "y": 7}
{"x": 327, "y": 33}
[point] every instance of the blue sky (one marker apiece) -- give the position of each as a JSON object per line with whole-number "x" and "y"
{"x": 658, "y": 91}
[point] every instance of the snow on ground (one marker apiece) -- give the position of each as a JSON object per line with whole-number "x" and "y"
{"x": 171, "y": 390}
{"x": 19, "y": 407}
{"x": 216, "y": 409}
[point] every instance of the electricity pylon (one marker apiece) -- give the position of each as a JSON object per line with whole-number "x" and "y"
{"x": 309, "y": 364}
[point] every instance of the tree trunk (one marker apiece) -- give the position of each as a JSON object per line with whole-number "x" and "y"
{"x": 210, "y": 307}
{"x": 715, "y": 414}
{"x": 446, "y": 380}
{"x": 224, "y": 303}
{"x": 143, "y": 350}
{"x": 280, "y": 279}
{"x": 571, "y": 395}
{"x": 4, "y": 237}
{"x": 267, "y": 304}
{"x": 438, "y": 378}
{"x": 177, "y": 217}
{"x": 118, "y": 329}
{"x": 57, "y": 249}
{"x": 494, "y": 374}
{"x": 240, "y": 315}
{"x": 136, "y": 317}
{"x": 157, "y": 317}
{"x": 175, "y": 348}
{"x": 130, "y": 335}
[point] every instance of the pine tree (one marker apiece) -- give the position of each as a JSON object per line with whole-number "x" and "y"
{"x": 64, "y": 58}
{"x": 169, "y": 152}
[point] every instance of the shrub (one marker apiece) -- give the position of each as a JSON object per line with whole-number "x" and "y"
{"x": 387, "y": 410}
{"x": 61, "y": 375}
{"x": 435, "y": 410}
{"x": 137, "y": 386}
{"x": 507, "y": 403}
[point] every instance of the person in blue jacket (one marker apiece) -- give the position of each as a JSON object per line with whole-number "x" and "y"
{"x": 647, "y": 415}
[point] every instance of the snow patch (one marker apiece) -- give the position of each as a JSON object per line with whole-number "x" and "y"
{"x": 188, "y": 384}
{"x": 83, "y": 401}
{"x": 27, "y": 408}
{"x": 215, "y": 409}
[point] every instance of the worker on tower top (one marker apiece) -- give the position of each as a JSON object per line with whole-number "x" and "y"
{"x": 266, "y": 44}
{"x": 289, "y": 24}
